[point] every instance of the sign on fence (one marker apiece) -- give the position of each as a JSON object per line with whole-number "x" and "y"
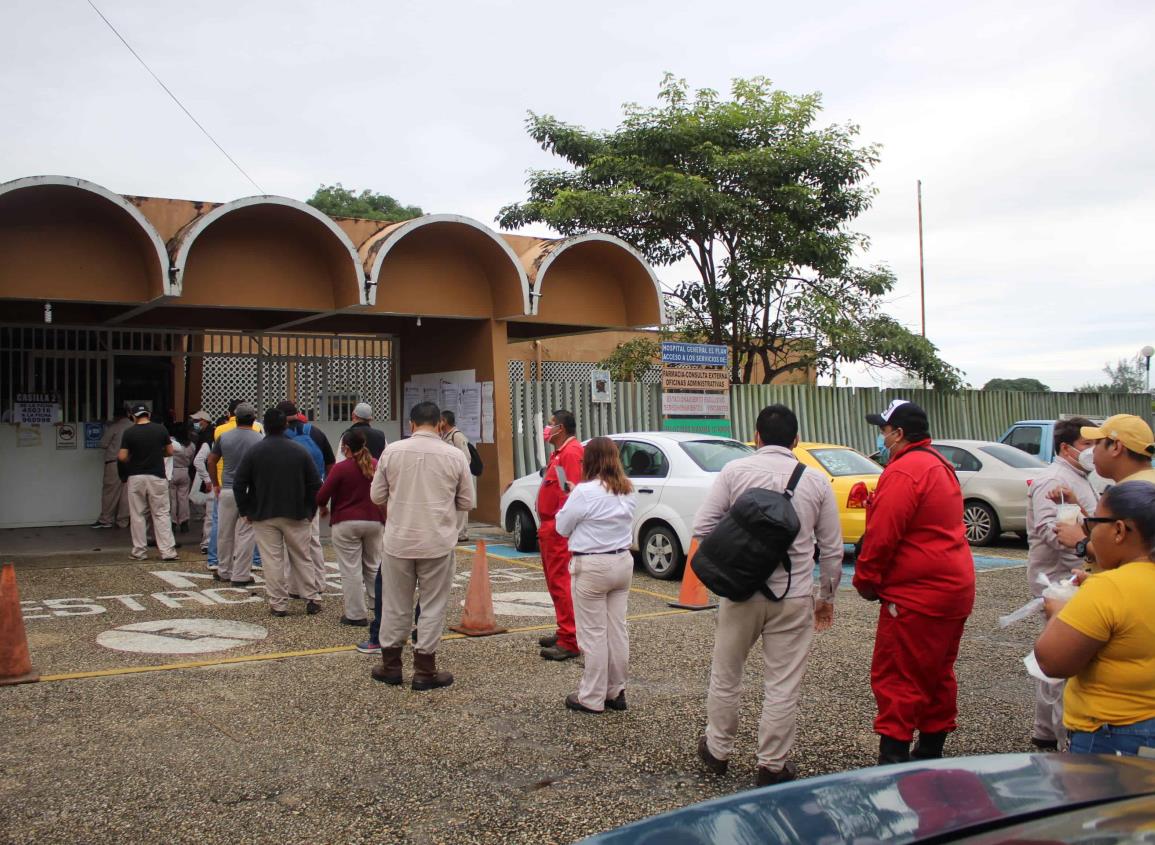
{"x": 721, "y": 428}
{"x": 712, "y": 379}
{"x": 702, "y": 354}
{"x": 695, "y": 404}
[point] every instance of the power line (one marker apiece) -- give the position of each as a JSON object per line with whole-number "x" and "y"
{"x": 144, "y": 64}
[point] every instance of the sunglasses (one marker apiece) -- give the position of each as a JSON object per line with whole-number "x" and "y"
{"x": 1090, "y": 522}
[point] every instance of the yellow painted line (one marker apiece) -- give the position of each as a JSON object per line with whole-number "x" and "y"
{"x": 538, "y": 567}
{"x": 282, "y": 655}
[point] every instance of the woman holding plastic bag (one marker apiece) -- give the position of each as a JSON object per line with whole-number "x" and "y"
{"x": 1103, "y": 638}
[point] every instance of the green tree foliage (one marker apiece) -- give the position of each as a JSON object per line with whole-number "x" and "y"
{"x": 1125, "y": 377}
{"x": 758, "y": 200}
{"x": 339, "y": 201}
{"x": 1020, "y": 385}
{"x": 630, "y": 360}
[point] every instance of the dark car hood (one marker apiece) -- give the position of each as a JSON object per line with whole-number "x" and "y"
{"x": 898, "y": 804}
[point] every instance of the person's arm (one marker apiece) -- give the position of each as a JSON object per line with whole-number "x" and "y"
{"x": 895, "y": 503}
{"x": 714, "y": 506}
{"x": 122, "y": 456}
{"x": 326, "y": 450}
{"x": 242, "y": 483}
{"x": 325, "y": 494}
{"x": 214, "y": 473}
{"x": 1074, "y": 636}
{"x": 828, "y": 535}
{"x": 379, "y": 488}
{"x": 572, "y": 512}
{"x": 464, "y": 499}
{"x": 1045, "y": 511}
{"x": 312, "y": 485}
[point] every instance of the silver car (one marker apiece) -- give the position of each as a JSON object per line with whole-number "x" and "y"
{"x": 994, "y": 479}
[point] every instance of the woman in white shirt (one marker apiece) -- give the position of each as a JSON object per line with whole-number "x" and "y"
{"x": 598, "y": 519}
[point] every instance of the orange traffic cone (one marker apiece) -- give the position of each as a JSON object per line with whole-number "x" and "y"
{"x": 693, "y": 595}
{"x": 477, "y": 619}
{"x": 15, "y": 664}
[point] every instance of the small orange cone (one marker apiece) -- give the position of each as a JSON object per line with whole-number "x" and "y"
{"x": 15, "y": 663}
{"x": 477, "y": 619}
{"x": 693, "y": 595}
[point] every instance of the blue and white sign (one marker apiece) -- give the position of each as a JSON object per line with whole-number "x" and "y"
{"x": 702, "y": 354}
{"x": 93, "y": 432}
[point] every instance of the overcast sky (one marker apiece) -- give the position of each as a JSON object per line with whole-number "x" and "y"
{"x": 1030, "y": 125}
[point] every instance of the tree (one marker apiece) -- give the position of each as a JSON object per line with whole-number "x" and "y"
{"x": 1020, "y": 385}
{"x": 339, "y": 201}
{"x": 630, "y": 360}
{"x": 1125, "y": 377}
{"x": 758, "y": 201}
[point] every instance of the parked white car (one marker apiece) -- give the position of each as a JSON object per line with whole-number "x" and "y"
{"x": 994, "y": 478}
{"x": 671, "y": 472}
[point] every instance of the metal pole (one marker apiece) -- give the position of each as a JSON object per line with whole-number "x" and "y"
{"x": 921, "y": 273}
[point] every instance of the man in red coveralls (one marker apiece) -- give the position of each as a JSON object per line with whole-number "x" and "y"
{"x": 915, "y": 561}
{"x": 567, "y": 454}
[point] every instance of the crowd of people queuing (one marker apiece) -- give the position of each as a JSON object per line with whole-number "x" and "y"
{"x": 397, "y": 512}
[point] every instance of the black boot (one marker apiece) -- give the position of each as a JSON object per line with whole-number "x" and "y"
{"x": 892, "y": 750}
{"x": 928, "y": 747}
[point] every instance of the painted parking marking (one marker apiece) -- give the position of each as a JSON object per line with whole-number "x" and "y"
{"x": 522, "y": 604}
{"x": 181, "y": 636}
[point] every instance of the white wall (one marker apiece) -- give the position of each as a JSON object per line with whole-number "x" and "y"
{"x": 43, "y": 485}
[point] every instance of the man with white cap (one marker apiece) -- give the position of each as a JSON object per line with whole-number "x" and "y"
{"x": 375, "y": 440}
{"x": 916, "y": 563}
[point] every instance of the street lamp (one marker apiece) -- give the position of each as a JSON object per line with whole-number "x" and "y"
{"x": 1147, "y": 352}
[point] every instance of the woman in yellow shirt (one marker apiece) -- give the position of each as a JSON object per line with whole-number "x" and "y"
{"x": 1104, "y": 638}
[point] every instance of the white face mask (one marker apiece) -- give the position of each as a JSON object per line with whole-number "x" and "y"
{"x": 1087, "y": 459}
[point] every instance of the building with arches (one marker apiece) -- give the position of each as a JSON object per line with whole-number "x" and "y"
{"x": 109, "y": 298}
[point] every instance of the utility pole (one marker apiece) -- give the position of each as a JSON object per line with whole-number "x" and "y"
{"x": 921, "y": 272}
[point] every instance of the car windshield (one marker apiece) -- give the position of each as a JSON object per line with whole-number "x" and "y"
{"x": 1011, "y": 456}
{"x": 712, "y": 455}
{"x": 839, "y": 462}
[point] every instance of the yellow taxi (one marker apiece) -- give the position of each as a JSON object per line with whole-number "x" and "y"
{"x": 853, "y": 476}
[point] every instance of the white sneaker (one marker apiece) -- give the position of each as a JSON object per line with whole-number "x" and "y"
{"x": 141, "y": 556}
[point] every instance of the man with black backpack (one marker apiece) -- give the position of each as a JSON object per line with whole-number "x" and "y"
{"x": 455, "y": 437}
{"x": 790, "y": 509}
{"x": 916, "y": 563}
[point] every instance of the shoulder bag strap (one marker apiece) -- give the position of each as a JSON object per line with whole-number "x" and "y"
{"x": 795, "y": 477}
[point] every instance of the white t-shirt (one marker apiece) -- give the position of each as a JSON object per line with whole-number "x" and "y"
{"x": 596, "y": 520}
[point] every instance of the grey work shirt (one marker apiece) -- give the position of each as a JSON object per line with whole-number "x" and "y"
{"x": 1046, "y": 554}
{"x": 424, "y": 482}
{"x": 770, "y": 468}
{"x": 232, "y": 446}
{"x": 110, "y": 440}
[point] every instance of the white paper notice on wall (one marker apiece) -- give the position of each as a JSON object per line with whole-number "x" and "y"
{"x": 487, "y": 415}
{"x": 469, "y": 411}
{"x": 450, "y": 398}
{"x": 412, "y": 396}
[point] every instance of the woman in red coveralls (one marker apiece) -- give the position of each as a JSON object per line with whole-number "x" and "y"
{"x": 561, "y": 433}
{"x": 916, "y": 562}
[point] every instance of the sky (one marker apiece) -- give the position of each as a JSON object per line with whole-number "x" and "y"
{"x": 1030, "y": 125}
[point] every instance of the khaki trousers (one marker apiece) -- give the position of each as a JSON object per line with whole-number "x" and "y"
{"x": 235, "y": 540}
{"x": 601, "y": 587}
{"x": 1049, "y": 712}
{"x": 113, "y": 497}
{"x": 148, "y": 494}
{"x": 207, "y": 527}
{"x": 400, "y": 577}
{"x": 357, "y": 544}
{"x": 178, "y": 489}
{"x": 315, "y": 574}
{"x": 284, "y": 545}
{"x": 463, "y": 517}
{"x": 787, "y": 629}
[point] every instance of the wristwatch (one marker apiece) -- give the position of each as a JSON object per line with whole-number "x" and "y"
{"x": 1081, "y": 548}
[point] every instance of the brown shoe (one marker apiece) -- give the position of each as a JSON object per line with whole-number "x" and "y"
{"x": 389, "y": 672}
{"x": 769, "y": 777}
{"x": 425, "y": 674}
{"x": 556, "y": 652}
{"x": 711, "y": 762}
{"x": 548, "y": 641}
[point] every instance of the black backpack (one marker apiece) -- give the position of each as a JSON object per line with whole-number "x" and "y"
{"x": 476, "y": 467}
{"x": 752, "y": 540}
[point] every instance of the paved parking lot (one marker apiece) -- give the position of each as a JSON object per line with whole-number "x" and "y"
{"x": 282, "y": 737}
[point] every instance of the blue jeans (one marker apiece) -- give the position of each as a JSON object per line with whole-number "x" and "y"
{"x": 1115, "y": 739}
{"x": 213, "y": 562}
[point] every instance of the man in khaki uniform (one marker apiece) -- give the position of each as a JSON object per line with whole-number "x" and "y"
{"x": 455, "y": 437}
{"x": 113, "y": 501}
{"x": 143, "y": 448}
{"x": 424, "y": 483}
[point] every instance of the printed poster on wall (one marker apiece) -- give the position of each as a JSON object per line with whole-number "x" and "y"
{"x": 410, "y": 397}
{"x": 487, "y": 414}
{"x": 66, "y": 436}
{"x": 93, "y": 433}
{"x": 469, "y": 411}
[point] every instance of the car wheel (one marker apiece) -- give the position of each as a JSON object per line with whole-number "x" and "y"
{"x": 661, "y": 553}
{"x": 981, "y": 523}
{"x": 524, "y": 530}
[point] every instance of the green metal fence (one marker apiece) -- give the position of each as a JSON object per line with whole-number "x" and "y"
{"x": 827, "y": 414}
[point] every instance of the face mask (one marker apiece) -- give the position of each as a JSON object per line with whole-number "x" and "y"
{"x": 1087, "y": 459}
{"x": 883, "y": 449}
{"x": 547, "y": 434}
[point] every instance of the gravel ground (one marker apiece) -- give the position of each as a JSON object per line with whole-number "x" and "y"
{"x": 308, "y": 749}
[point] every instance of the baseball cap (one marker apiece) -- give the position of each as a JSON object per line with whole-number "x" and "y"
{"x": 140, "y": 411}
{"x": 904, "y": 414}
{"x": 245, "y": 410}
{"x": 1128, "y": 429}
{"x": 202, "y": 416}
{"x": 363, "y": 410}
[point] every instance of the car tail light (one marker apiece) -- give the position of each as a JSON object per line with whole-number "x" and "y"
{"x": 858, "y": 496}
